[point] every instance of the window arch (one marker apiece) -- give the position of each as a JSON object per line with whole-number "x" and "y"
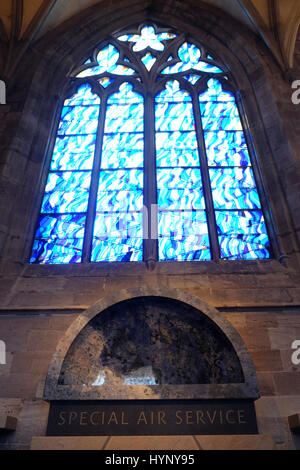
{"x": 151, "y": 160}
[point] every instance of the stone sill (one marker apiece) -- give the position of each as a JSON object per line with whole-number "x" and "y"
{"x": 140, "y": 268}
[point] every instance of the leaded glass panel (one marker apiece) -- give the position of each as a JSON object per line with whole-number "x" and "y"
{"x": 105, "y": 177}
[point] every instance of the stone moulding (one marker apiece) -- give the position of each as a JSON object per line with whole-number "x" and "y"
{"x": 246, "y": 390}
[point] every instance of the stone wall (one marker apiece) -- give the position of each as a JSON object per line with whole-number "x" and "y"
{"x": 38, "y": 303}
{"x": 32, "y": 340}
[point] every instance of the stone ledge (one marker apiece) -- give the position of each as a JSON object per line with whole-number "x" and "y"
{"x": 226, "y": 442}
{"x": 8, "y": 423}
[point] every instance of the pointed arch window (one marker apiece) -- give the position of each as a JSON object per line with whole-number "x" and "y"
{"x": 152, "y": 160}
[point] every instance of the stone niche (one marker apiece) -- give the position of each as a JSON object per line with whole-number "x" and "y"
{"x": 151, "y": 344}
{"x": 150, "y": 341}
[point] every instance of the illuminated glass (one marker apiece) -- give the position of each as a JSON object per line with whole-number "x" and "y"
{"x": 240, "y": 222}
{"x": 118, "y": 233}
{"x": 187, "y": 155}
{"x": 60, "y": 232}
{"x": 182, "y": 236}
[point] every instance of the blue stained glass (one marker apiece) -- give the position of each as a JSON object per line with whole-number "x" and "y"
{"x": 168, "y": 141}
{"x": 106, "y": 81}
{"x": 173, "y": 93}
{"x": 180, "y": 199}
{"x": 174, "y": 117}
{"x": 124, "y": 150}
{"x": 190, "y": 56}
{"x": 183, "y": 236}
{"x": 130, "y": 180}
{"x": 83, "y": 97}
{"x": 179, "y": 178}
{"x": 120, "y": 201}
{"x": 74, "y": 152}
{"x": 78, "y": 113}
{"x": 176, "y": 157}
{"x": 220, "y": 116}
{"x": 225, "y": 148}
{"x": 119, "y": 249}
{"x": 125, "y": 95}
{"x": 192, "y": 78}
{"x": 148, "y": 60}
{"x": 118, "y": 237}
{"x": 118, "y": 226}
{"x": 124, "y": 118}
{"x": 147, "y": 38}
{"x": 208, "y": 68}
{"x": 79, "y": 120}
{"x": 56, "y": 226}
{"x": 242, "y": 235}
{"x": 234, "y": 188}
{"x": 215, "y": 92}
{"x": 52, "y": 245}
{"x": 118, "y": 231}
{"x": 245, "y": 222}
{"x": 67, "y": 192}
{"x": 58, "y": 251}
{"x": 107, "y": 59}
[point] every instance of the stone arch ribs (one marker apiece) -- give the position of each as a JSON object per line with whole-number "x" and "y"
{"x": 246, "y": 390}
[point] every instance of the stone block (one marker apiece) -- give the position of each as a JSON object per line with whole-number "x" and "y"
{"x": 283, "y": 337}
{"x": 152, "y": 443}
{"x": 255, "y": 338}
{"x": 266, "y": 384}
{"x": 267, "y": 361}
{"x": 294, "y": 422}
{"x": 238, "y": 442}
{"x": 286, "y": 358}
{"x": 8, "y": 423}
{"x": 68, "y": 443}
{"x": 287, "y": 383}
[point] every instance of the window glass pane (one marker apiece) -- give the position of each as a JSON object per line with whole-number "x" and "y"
{"x": 74, "y": 152}
{"x": 147, "y": 38}
{"x": 190, "y": 57}
{"x": 118, "y": 229}
{"x": 118, "y": 237}
{"x": 59, "y": 239}
{"x": 240, "y": 223}
{"x": 182, "y": 235}
{"x": 226, "y": 148}
{"x": 242, "y": 235}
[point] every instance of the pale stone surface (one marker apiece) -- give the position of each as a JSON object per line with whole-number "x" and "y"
{"x": 8, "y": 423}
{"x": 68, "y": 443}
{"x": 249, "y": 442}
{"x": 238, "y": 442}
{"x": 152, "y": 443}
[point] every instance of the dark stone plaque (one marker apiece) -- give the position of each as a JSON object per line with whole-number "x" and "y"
{"x": 140, "y": 418}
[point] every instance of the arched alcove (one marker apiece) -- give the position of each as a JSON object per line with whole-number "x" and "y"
{"x": 151, "y": 343}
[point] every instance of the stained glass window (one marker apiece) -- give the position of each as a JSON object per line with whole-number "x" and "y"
{"x": 151, "y": 160}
